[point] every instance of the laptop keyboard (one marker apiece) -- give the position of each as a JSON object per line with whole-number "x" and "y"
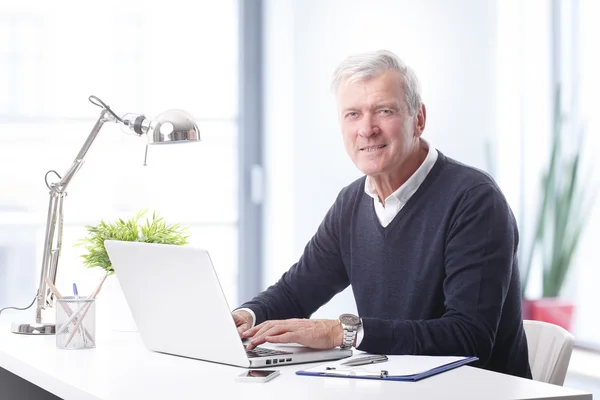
{"x": 259, "y": 352}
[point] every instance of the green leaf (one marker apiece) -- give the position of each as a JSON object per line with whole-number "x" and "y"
{"x": 565, "y": 202}
{"x": 154, "y": 230}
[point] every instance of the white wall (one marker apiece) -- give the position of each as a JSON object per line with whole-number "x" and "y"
{"x": 451, "y": 45}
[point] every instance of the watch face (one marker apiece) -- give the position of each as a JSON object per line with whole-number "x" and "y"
{"x": 349, "y": 319}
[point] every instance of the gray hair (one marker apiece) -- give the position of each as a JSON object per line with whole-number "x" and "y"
{"x": 369, "y": 65}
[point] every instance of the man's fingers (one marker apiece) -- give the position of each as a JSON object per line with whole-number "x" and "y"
{"x": 254, "y": 343}
{"x": 257, "y": 341}
{"x": 271, "y": 330}
{"x": 240, "y": 323}
{"x": 287, "y": 337}
{"x": 256, "y": 333}
{"x": 312, "y": 333}
{"x": 257, "y": 329}
{"x": 252, "y": 331}
{"x": 265, "y": 326}
{"x": 274, "y": 330}
{"x": 260, "y": 328}
{"x": 242, "y": 328}
{"x": 239, "y": 320}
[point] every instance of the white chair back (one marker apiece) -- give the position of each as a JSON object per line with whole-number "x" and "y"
{"x": 550, "y": 347}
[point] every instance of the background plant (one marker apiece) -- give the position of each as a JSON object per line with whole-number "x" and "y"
{"x": 154, "y": 230}
{"x": 565, "y": 202}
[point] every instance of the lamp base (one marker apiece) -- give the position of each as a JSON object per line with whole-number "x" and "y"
{"x": 33, "y": 329}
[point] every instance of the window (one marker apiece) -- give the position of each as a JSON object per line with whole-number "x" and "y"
{"x": 137, "y": 59}
{"x": 585, "y": 65}
{"x": 535, "y": 52}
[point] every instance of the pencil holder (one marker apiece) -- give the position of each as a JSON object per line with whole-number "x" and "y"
{"x": 75, "y": 323}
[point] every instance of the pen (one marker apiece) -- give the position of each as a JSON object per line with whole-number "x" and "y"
{"x": 80, "y": 327}
{"x": 366, "y": 360}
{"x": 65, "y": 306}
{"x": 87, "y": 307}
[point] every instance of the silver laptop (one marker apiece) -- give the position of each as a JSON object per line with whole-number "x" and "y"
{"x": 179, "y": 307}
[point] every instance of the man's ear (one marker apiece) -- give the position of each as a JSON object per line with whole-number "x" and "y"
{"x": 420, "y": 120}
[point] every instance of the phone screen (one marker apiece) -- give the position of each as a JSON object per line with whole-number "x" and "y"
{"x": 254, "y": 373}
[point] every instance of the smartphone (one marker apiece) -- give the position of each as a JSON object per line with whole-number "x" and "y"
{"x": 257, "y": 375}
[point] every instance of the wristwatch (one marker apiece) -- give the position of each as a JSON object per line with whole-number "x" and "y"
{"x": 350, "y": 323}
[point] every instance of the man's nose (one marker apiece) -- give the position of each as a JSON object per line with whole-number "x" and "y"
{"x": 368, "y": 129}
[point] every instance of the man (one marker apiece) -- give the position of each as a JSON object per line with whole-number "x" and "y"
{"x": 428, "y": 244}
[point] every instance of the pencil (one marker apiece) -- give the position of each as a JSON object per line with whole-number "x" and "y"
{"x": 64, "y": 305}
{"x": 87, "y": 308}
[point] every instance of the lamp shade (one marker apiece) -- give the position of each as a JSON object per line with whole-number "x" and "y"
{"x": 173, "y": 126}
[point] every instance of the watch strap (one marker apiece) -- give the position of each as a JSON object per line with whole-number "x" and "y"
{"x": 349, "y": 338}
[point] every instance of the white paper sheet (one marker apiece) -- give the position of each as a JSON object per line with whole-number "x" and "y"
{"x": 395, "y": 366}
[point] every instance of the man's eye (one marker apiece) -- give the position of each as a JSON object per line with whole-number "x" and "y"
{"x": 351, "y": 114}
{"x": 385, "y": 112}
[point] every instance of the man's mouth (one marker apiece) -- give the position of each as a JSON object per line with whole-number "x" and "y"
{"x": 373, "y": 148}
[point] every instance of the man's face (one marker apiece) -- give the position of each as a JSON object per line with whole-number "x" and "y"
{"x": 377, "y": 128}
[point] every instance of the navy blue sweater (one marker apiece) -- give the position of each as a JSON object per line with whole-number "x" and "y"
{"x": 440, "y": 279}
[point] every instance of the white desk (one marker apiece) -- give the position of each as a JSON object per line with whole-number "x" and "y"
{"x": 121, "y": 368}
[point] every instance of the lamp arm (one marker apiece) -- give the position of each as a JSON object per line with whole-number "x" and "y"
{"x": 105, "y": 116}
{"x": 54, "y": 221}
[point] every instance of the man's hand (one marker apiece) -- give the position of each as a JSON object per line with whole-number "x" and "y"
{"x": 243, "y": 321}
{"x": 314, "y": 333}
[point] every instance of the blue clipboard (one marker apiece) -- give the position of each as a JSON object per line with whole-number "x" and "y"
{"x": 384, "y": 375}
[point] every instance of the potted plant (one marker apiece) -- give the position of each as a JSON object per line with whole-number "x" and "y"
{"x": 154, "y": 230}
{"x": 115, "y": 313}
{"x": 560, "y": 222}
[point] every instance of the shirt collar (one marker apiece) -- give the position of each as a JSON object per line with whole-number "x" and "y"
{"x": 404, "y": 192}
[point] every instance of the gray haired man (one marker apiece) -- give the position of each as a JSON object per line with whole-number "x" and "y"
{"x": 429, "y": 245}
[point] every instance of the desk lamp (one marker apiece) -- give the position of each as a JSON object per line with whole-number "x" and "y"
{"x": 172, "y": 126}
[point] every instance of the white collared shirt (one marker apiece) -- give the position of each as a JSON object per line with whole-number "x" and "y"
{"x": 393, "y": 204}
